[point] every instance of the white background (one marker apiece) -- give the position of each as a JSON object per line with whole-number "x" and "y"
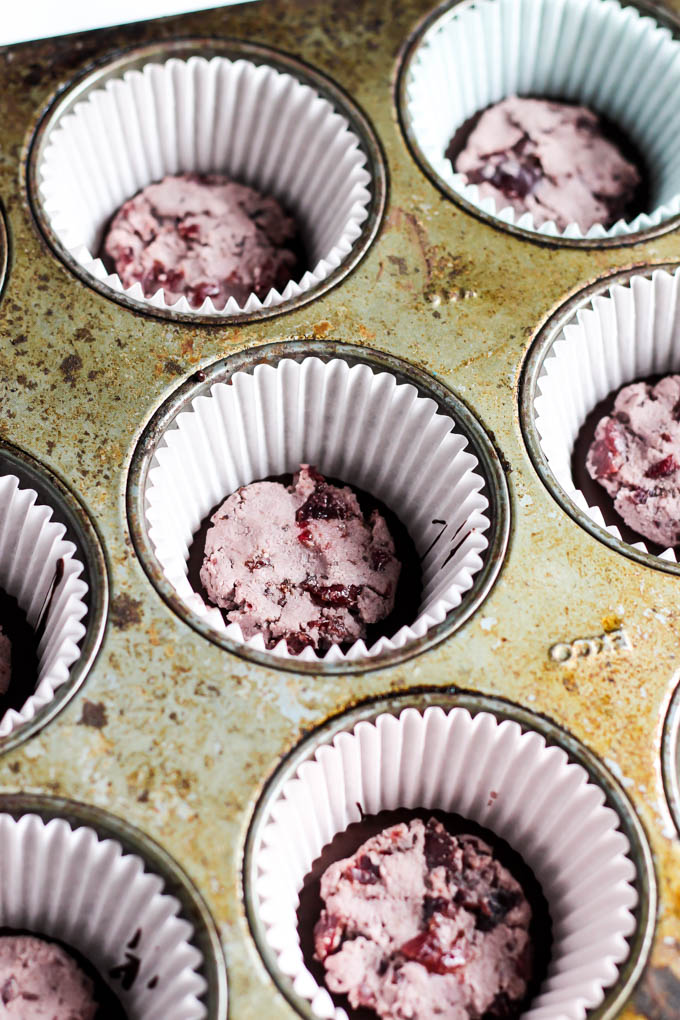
{"x": 21, "y": 20}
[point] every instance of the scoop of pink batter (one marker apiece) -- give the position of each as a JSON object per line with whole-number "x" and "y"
{"x": 40, "y": 981}
{"x": 5, "y": 661}
{"x": 419, "y": 923}
{"x": 635, "y": 456}
{"x": 202, "y": 236}
{"x": 549, "y": 159}
{"x": 300, "y": 563}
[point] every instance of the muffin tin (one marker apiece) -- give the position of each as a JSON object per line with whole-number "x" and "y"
{"x": 182, "y": 738}
{"x": 312, "y": 149}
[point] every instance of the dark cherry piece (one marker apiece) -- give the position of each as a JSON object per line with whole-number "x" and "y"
{"x": 663, "y": 468}
{"x": 327, "y": 936}
{"x": 344, "y": 595}
{"x": 515, "y": 177}
{"x": 409, "y": 586}
{"x": 322, "y": 505}
{"x": 366, "y": 872}
{"x": 428, "y": 950}
{"x": 608, "y": 453}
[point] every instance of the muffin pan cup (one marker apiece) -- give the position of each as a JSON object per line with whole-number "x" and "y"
{"x": 618, "y": 331}
{"x": 499, "y": 766}
{"x": 206, "y": 106}
{"x": 85, "y": 878}
{"x": 52, "y": 564}
{"x": 621, "y": 60}
{"x": 356, "y": 416}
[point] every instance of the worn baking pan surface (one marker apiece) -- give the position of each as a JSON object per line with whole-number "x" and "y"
{"x": 179, "y": 736}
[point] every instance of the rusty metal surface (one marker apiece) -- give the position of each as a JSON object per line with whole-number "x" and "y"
{"x": 175, "y": 734}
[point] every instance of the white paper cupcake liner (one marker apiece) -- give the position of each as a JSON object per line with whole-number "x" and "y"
{"x": 257, "y": 125}
{"x": 598, "y": 53}
{"x": 31, "y": 545}
{"x": 354, "y": 424}
{"x": 628, "y": 332}
{"x": 69, "y": 884}
{"x": 545, "y": 806}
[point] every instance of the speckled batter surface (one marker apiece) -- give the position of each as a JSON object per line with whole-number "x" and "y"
{"x": 636, "y": 458}
{"x": 40, "y": 981}
{"x": 300, "y": 563}
{"x": 419, "y": 923}
{"x": 202, "y": 236}
{"x": 551, "y": 160}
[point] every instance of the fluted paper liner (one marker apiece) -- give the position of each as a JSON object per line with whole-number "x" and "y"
{"x": 544, "y": 806}
{"x": 597, "y": 53}
{"x": 627, "y": 333}
{"x": 257, "y": 125}
{"x": 353, "y": 424}
{"x": 31, "y": 545}
{"x": 69, "y": 884}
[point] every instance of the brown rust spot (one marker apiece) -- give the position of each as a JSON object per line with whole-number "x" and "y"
{"x": 611, "y": 622}
{"x": 94, "y": 714}
{"x": 172, "y": 367}
{"x": 366, "y": 334}
{"x": 322, "y": 328}
{"x": 84, "y": 335}
{"x": 125, "y": 611}
{"x": 70, "y": 367}
{"x": 442, "y": 269}
{"x": 400, "y": 262}
{"x": 658, "y": 994}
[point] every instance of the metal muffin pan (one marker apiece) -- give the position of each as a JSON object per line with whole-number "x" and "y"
{"x": 178, "y": 735}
